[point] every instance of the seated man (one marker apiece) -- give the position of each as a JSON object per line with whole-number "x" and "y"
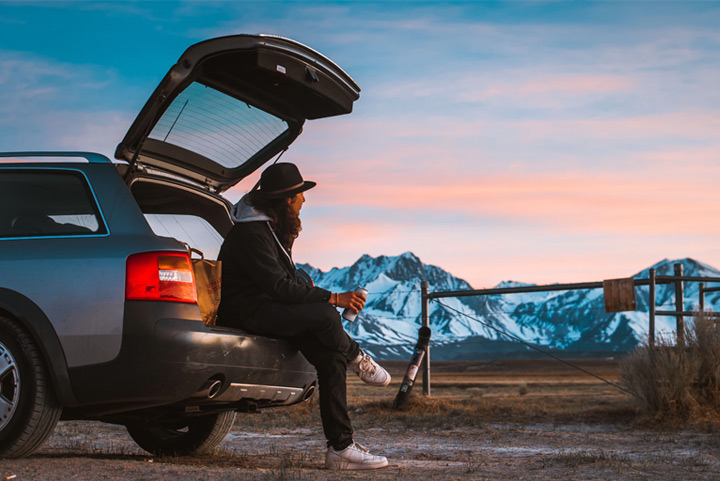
{"x": 263, "y": 294}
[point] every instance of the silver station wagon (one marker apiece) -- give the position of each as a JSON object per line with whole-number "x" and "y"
{"x": 98, "y": 311}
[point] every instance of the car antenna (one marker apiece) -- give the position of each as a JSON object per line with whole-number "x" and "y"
{"x": 148, "y": 130}
{"x": 257, "y": 184}
{"x": 136, "y": 154}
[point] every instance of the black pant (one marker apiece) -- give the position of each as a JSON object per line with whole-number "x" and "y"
{"x": 317, "y": 332}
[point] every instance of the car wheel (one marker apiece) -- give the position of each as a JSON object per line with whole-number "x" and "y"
{"x": 191, "y": 436}
{"x": 29, "y": 410}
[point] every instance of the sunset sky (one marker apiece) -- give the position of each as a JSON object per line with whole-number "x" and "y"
{"x": 530, "y": 141}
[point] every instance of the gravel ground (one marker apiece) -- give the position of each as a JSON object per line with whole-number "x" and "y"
{"x": 91, "y": 451}
{"x": 510, "y": 420}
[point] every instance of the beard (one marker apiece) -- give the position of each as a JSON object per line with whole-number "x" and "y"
{"x": 288, "y": 226}
{"x": 285, "y": 219}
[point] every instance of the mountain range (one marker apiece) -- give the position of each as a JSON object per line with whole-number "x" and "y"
{"x": 571, "y": 322}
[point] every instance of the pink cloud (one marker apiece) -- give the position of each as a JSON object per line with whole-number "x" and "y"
{"x": 532, "y": 87}
{"x": 544, "y": 84}
{"x": 389, "y": 141}
{"x": 610, "y": 202}
{"x": 694, "y": 125}
{"x": 486, "y": 254}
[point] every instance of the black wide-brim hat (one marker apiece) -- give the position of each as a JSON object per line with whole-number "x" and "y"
{"x": 282, "y": 180}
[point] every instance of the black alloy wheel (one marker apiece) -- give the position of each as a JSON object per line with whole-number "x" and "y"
{"x": 191, "y": 436}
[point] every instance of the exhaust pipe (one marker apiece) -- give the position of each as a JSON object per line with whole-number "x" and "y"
{"x": 309, "y": 393}
{"x": 209, "y": 390}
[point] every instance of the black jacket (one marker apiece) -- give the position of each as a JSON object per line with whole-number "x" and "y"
{"x": 256, "y": 270}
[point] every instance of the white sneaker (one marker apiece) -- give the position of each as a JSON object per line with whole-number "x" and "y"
{"x": 353, "y": 457}
{"x": 370, "y": 371}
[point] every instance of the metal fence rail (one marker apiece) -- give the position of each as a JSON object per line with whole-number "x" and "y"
{"x": 678, "y": 280}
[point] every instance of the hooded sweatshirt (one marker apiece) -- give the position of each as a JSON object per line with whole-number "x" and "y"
{"x": 256, "y": 269}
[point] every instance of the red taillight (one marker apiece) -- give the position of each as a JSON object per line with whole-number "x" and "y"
{"x": 160, "y": 276}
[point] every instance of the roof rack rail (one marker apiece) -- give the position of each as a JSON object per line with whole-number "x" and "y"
{"x": 54, "y": 156}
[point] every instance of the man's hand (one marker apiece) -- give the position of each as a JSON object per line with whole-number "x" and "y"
{"x": 353, "y": 300}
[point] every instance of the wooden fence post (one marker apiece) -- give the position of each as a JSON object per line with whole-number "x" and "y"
{"x": 424, "y": 287}
{"x": 679, "y": 306}
{"x": 651, "y": 307}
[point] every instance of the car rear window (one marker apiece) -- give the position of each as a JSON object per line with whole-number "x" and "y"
{"x": 219, "y": 127}
{"x": 47, "y": 203}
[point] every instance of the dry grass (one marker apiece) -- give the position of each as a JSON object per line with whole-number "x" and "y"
{"x": 575, "y": 459}
{"x": 678, "y": 386}
{"x": 550, "y": 394}
{"x": 479, "y": 393}
{"x": 559, "y": 405}
{"x": 704, "y": 340}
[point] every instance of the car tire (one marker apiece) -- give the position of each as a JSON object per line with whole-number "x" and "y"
{"x": 197, "y": 435}
{"x": 29, "y": 410}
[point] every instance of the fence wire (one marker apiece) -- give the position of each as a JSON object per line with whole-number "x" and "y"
{"x": 509, "y": 335}
{"x": 531, "y": 346}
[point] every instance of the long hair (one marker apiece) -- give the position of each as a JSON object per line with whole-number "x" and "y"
{"x": 285, "y": 221}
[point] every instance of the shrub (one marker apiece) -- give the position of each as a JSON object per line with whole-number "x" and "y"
{"x": 677, "y": 383}
{"x": 704, "y": 339}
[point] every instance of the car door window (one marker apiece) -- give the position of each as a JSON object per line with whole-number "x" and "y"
{"x": 46, "y": 204}
{"x": 190, "y": 229}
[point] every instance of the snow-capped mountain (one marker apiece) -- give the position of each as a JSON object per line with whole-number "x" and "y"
{"x": 462, "y": 328}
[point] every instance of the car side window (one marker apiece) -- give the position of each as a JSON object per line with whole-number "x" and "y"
{"x": 47, "y": 203}
{"x": 191, "y": 229}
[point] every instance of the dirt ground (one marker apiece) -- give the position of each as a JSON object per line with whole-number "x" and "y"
{"x": 503, "y": 420}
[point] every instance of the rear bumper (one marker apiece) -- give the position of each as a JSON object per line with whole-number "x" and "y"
{"x": 167, "y": 354}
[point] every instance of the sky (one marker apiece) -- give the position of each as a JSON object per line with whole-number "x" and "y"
{"x": 530, "y": 141}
